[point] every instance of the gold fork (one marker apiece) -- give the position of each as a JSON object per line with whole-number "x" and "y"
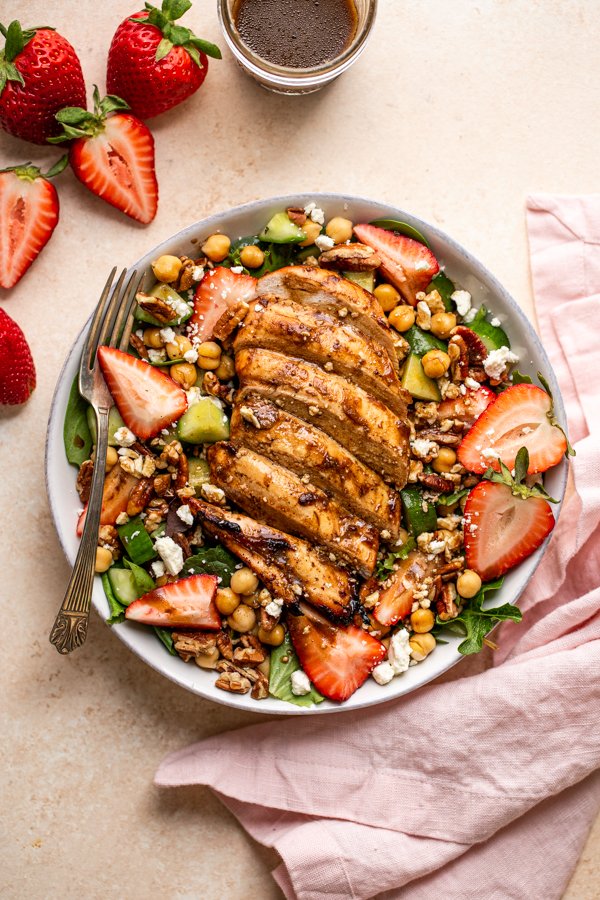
{"x": 110, "y": 326}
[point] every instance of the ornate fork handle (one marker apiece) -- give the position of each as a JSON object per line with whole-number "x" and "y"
{"x": 70, "y": 627}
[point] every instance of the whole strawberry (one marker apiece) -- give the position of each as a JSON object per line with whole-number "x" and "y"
{"x": 17, "y": 371}
{"x": 39, "y": 74}
{"x": 155, "y": 64}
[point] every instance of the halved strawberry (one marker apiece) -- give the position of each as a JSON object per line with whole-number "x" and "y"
{"x": 338, "y": 660}
{"x": 521, "y": 416}
{"x": 468, "y": 407}
{"x": 502, "y": 529}
{"x": 147, "y": 399}
{"x": 112, "y": 155}
{"x": 28, "y": 216}
{"x": 187, "y": 603}
{"x": 118, "y": 486}
{"x": 219, "y": 290}
{"x": 395, "y": 601}
{"x": 407, "y": 263}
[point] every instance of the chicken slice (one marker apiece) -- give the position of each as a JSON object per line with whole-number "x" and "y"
{"x": 330, "y": 342}
{"x": 330, "y": 293}
{"x": 278, "y": 497}
{"x": 288, "y": 566}
{"x": 261, "y": 426}
{"x": 362, "y": 424}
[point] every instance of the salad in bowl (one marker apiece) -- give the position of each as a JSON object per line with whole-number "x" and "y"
{"x": 332, "y": 453}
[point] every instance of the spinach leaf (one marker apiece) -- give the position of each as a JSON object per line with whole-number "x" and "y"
{"x": 165, "y": 637}
{"x": 386, "y": 565}
{"x": 283, "y": 663}
{"x": 475, "y": 623}
{"x": 276, "y": 255}
{"x": 445, "y": 288}
{"x": 213, "y": 561}
{"x": 143, "y": 581}
{"x": 519, "y": 378}
{"x": 76, "y": 432}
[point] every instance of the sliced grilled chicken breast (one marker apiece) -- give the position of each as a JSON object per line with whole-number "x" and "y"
{"x": 278, "y": 497}
{"x": 289, "y": 567}
{"x": 362, "y": 424}
{"x": 260, "y": 425}
{"x": 330, "y": 342}
{"x": 330, "y": 293}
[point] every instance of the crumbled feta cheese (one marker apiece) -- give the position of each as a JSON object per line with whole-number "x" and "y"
{"x": 197, "y": 273}
{"x": 170, "y": 553}
{"x": 140, "y": 334}
{"x": 399, "y": 651}
{"x": 156, "y": 356}
{"x": 273, "y": 609}
{"x": 191, "y": 356}
{"x": 185, "y": 514}
{"x": 383, "y": 673}
{"x": 194, "y": 395}
{"x": 122, "y": 519}
{"x": 314, "y": 213}
{"x": 237, "y": 270}
{"x": 158, "y": 568}
{"x": 167, "y": 334}
{"x": 423, "y": 447}
{"x": 212, "y": 493}
{"x": 496, "y": 361}
{"x": 300, "y": 683}
{"x": 468, "y": 317}
{"x": 463, "y": 302}
{"x": 423, "y": 316}
{"x": 324, "y": 242}
{"x": 471, "y": 383}
{"x": 495, "y": 322}
{"x": 124, "y": 437}
{"x": 436, "y": 547}
{"x": 180, "y": 307}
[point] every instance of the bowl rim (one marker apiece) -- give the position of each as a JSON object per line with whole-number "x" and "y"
{"x": 279, "y": 707}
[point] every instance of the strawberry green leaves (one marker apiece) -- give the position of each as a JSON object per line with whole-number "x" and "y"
{"x": 79, "y": 123}
{"x": 176, "y": 35}
{"x": 517, "y": 482}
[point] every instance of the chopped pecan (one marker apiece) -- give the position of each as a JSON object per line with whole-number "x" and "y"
{"x": 183, "y": 542}
{"x": 296, "y": 215}
{"x": 182, "y": 472}
{"x": 434, "y": 301}
{"x": 350, "y": 258}
{"x": 251, "y": 653}
{"x": 171, "y": 453}
{"x": 459, "y": 358}
{"x": 156, "y": 307}
{"x": 225, "y": 666}
{"x": 138, "y": 345}
{"x": 445, "y": 605}
{"x": 108, "y": 536}
{"x": 225, "y": 645}
{"x": 190, "y": 644}
{"x": 448, "y": 438}
{"x": 185, "y": 279}
{"x": 140, "y": 496}
{"x": 435, "y": 482}
{"x": 162, "y": 483}
{"x": 449, "y": 570}
{"x": 230, "y": 320}
{"x": 233, "y": 682}
{"x": 213, "y": 386}
{"x": 260, "y": 688}
{"x": 267, "y": 622}
{"x": 84, "y": 480}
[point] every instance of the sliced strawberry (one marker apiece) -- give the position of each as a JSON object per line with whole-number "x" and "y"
{"x": 521, "y": 416}
{"x": 502, "y": 530}
{"x": 147, "y": 399}
{"x": 395, "y": 600}
{"x": 28, "y": 216}
{"x": 220, "y": 290}
{"x": 187, "y": 603}
{"x": 468, "y": 407}
{"x": 118, "y": 486}
{"x": 338, "y": 660}
{"x": 407, "y": 263}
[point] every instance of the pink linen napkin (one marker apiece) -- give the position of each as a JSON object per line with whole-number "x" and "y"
{"x": 482, "y": 786}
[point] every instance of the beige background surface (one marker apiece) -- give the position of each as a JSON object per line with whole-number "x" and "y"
{"x": 455, "y": 112}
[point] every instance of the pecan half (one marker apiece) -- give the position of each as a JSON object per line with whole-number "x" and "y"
{"x": 260, "y": 688}
{"x": 140, "y": 496}
{"x": 162, "y": 483}
{"x": 251, "y": 653}
{"x": 156, "y": 307}
{"x": 230, "y": 320}
{"x": 225, "y": 645}
{"x": 350, "y": 258}
{"x": 182, "y": 472}
{"x": 213, "y": 386}
{"x": 139, "y": 346}
{"x": 190, "y": 644}
{"x": 476, "y": 347}
{"x": 233, "y": 682}
{"x": 435, "y": 482}
{"x": 448, "y": 438}
{"x": 459, "y": 358}
{"x": 445, "y": 605}
{"x": 84, "y": 480}
{"x": 296, "y": 215}
{"x": 267, "y": 622}
{"x": 183, "y": 542}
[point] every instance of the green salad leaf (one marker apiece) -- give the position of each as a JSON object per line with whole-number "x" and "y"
{"x": 212, "y": 561}
{"x": 386, "y": 565}
{"x": 475, "y": 623}
{"x": 76, "y": 431}
{"x": 117, "y": 612}
{"x": 283, "y": 663}
{"x": 165, "y": 636}
{"x": 445, "y": 288}
{"x": 143, "y": 581}
{"x": 276, "y": 255}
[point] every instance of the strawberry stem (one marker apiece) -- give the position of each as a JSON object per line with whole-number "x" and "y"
{"x": 79, "y": 123}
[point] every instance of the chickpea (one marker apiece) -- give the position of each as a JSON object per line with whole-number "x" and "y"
{"x": 402, "y": 317}
{"x": 226, "y": 368}
{"x": 435, "y": 363}
{"x": 253, "y": 600}
{"x": 216, "y": 247}
{"x": 339, "y": 229}
{"x": 422, "y": 620}
{"x": 208, "y": 660}
{"x": 152, "y": 338}
{"x": 167, "y": 268}
{"x": 388, "y": 296}
{"x": 243, "y": 619}
{"x": 244, "y": 581}
{"x": 442, "y": 324}
{"x": 209, "y": 355}
{"x": 444, "y": 461}
{"x": 104, "y": 559}
{"x": 227, "y": 601}
{"x": 421, "y": 646}
{"x": 468, "y": 584}
{"x": 273, "y": 638}
{"x": 177, "y": 347}
{"x": 312, "y": 230}
{"x": 252, "y": 256}
{"x": 184, "y": 374}
{"x": 112, "y": 458}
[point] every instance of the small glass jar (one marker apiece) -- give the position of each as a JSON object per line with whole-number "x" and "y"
{"x": 288, "y": 80}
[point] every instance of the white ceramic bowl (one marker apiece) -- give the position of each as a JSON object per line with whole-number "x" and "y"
{"x": 249, "y": 219}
